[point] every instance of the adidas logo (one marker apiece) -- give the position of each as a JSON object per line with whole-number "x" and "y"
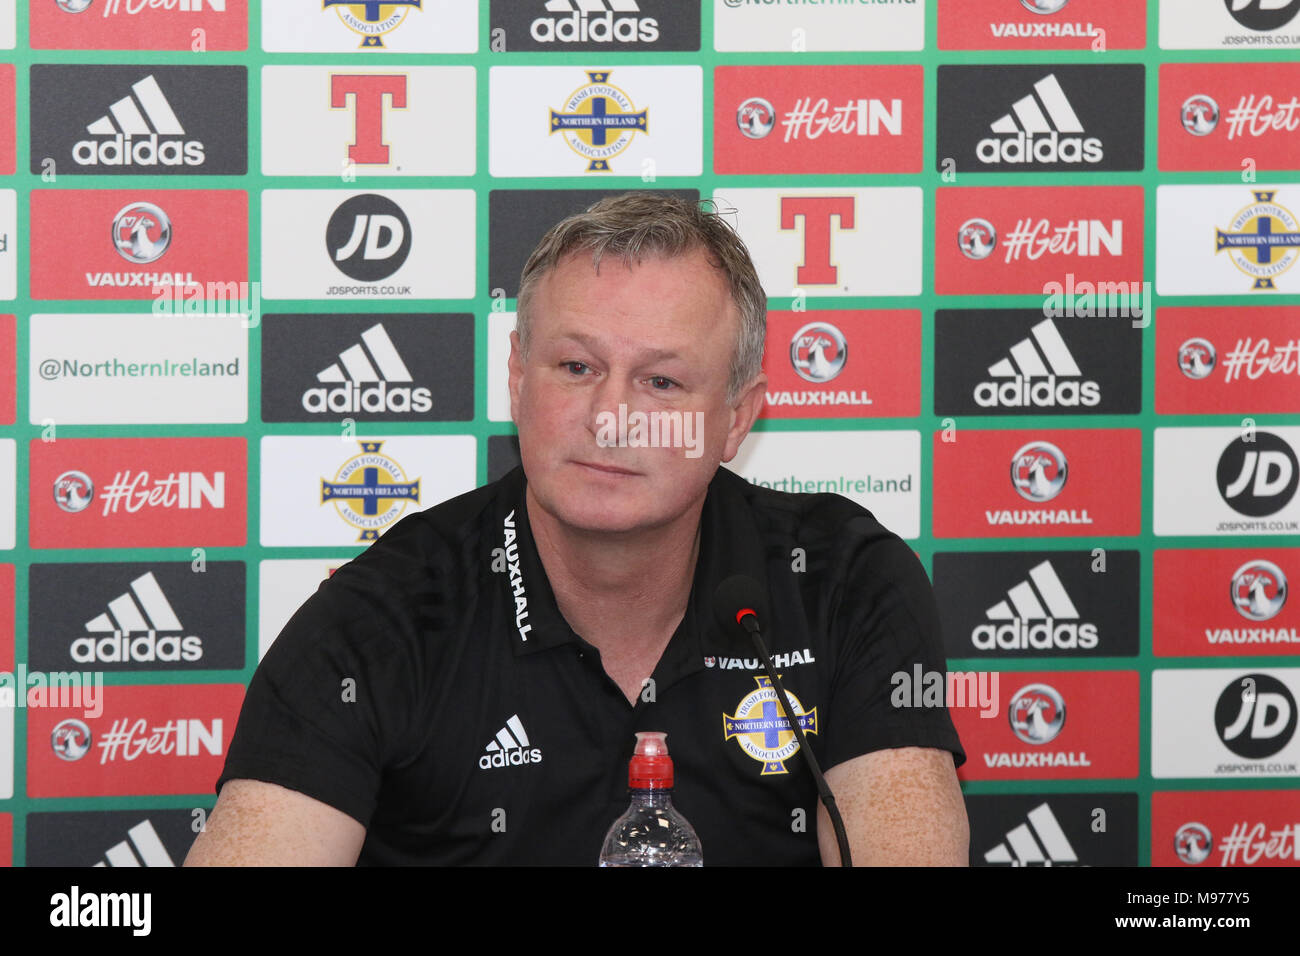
{"x": 149, "y": 849}
{"x": 1033, "y": 623}
{"x": 362, "y": 380}
{"x": 1030, "y": 135}
{"x": 1040, "y": 841}
{"x": 509, "y": 748}
{"x": 594, "y": 21}
{"x": 1016, "y": 387}
{"x": 143, "y": 130}
{"x": 144, "y": 611}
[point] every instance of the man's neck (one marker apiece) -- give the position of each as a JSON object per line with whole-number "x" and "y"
{"x": 623, "y": 593}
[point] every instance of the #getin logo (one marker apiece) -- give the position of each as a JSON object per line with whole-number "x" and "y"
{"x": 370, "y": 491}
{"x": 1258, "y": 590}
{"x": 372, "y": 19}
{"x": 599, "y": 121}
{"x": 762, "y": 729}
{"x": 1263, "y": 240}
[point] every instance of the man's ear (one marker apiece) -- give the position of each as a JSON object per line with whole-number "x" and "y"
{"x": 744, "y": 413}
{"x": 516, "y": 366}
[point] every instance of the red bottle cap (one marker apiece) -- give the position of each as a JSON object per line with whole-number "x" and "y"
{"x": 650, "y": 767}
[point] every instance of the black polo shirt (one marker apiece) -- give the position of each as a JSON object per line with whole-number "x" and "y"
{"x": 431, "y": 689}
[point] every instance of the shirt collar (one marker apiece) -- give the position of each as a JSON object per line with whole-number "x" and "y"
{"x": 730, "y": 543}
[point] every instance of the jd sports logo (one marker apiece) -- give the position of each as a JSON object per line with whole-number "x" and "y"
{"x": 1038, "y": 842}
{"x": 1263, "y": 14}
{"x": 1037, "y": 615}
{"x": 510, "y": 747}
{"x": 139, "y": 120}
{"x": 1061, "y": 118}
{"x": 368, "y": 377}
{"x": 1258, "y": 477}
{"x": 368, "y": 237}
{"x": 1255, "y": 716}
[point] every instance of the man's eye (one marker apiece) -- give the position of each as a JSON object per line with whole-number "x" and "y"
{"x": 659, "y": 383}
{"x": 576, "y": 368}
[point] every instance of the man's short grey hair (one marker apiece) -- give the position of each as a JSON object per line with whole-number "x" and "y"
{"x": 638, "y": 225}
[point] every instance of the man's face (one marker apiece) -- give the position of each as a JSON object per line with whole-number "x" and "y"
{"x": 656, "y": 339}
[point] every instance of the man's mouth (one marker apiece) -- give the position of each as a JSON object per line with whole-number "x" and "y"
{"x": 606, "y": 469}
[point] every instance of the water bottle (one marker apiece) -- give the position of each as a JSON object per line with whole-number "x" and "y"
{"x": 651, "y": 833}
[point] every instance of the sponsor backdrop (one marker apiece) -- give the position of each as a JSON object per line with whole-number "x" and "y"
{"x": 1034, "y": 294}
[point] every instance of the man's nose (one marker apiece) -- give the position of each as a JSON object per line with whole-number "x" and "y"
{"x": 613, "y": 391}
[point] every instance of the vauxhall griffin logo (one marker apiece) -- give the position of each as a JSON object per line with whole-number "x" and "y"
{"x": 140, "y": 129}
{"x": 1193, "y": 843}
{"x": 1197, "y": 358}
{"x": 1042, "y": 127}
{"x": 368, "y": 237}
{"x": 141, "y": 232}
{"x": 70, "y": 739}
{"x": 756, "y": 117}
{"x": 1199, "y": 115}
{"x": 73, "y": 491}
{"x": 74, "y": 6}
{"x": 1038, "y": 471}
{"x": 372, "y": 19}
{"x": 1263, "y": 14}
{"x": 977, "y": 238}
{"x": 1258, "y": 477}
{"x": 1255, "y": 716}
{"x": 818, "y": 352}
{"x": 1036, "y": 713}
{"x": 1258, "y": 590}
{"x": 1044, "y": 6}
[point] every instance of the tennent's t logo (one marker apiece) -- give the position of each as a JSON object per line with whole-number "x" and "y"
{"x": 816, "y": 212}
{"x": 367, "y": 92}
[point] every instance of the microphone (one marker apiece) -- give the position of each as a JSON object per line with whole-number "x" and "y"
{"x": 740, "y": 606}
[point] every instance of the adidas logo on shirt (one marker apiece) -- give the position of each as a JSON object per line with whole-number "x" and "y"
{"x": 144, "y": 612}
{"x": 1042, "y": 127}
{"x": 1040, "y": 616}
{"x": 149, "y": 849}
{"x": 510, "y": 747}
{"x": 140, "y": 129}
{"x": 1040, "y": 373}
{"x": 594, "y": 21}
{"x": 1040, "y": 841}
{"x": 363, "y": 378}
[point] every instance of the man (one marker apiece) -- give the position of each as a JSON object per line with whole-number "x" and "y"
{"x": 467, "y": 691}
